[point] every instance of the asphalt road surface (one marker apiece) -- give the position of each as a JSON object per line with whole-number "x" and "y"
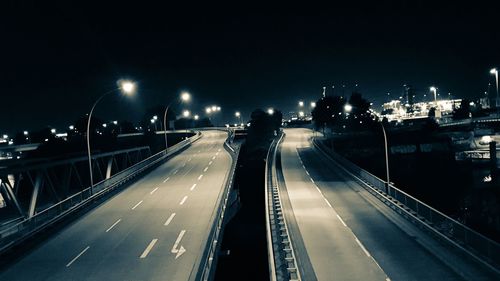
{"x": 346, "y": 233}
{"x": 155, "y": 229}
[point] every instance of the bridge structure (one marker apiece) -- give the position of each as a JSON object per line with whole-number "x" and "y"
{"x": 161, "y": 217}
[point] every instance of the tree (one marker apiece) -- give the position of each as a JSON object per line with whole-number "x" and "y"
{"x": 328, "y": 111}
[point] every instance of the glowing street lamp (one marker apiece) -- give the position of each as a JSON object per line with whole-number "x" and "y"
{"x": 301, "y": 103}
{"x": 301, "y": 114}
{"x": 25, "y": 133}
{"x": 238, "y": 114}
{"x": 494, "y": 71}
{"x": 126, "y": 87}
{"x": 434, "y": 90}
{"x": 196, "y": 117}
{"x": 347, "y": 108}
{"x": 186, "y": 113}
{"x": 270, "y": 111}
{"x": 185, "y": 97}
{"x": 208, "y": 110}
{"x": 313, "y": 104}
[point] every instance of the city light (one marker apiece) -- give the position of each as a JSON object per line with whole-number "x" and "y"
{"x": 155, "y": 117}
{"x": 493, "y": 71}
{"x": 104, "y": 125}
{"x": 313, "y": 104}
{"x": 237, "y": 114}
{"x": 71, "y": 127}
{"x": 196, "y": 117}
{"x": 270, "y": 111}
{"x": 25, "y": 133}
{"x": 53, "y": 131}
{"x": 301, "y": 113}
{"x": 186, "y": 113}
{"x": 208, "y": 110}
{"x": 126, "y": 86}
{"x": 214, "y": 108}
{"x": 185, "y": 96}
{"x": 115, "y": 122}
{"x": 347, "y": 108}
{"x": 301, "y": 103}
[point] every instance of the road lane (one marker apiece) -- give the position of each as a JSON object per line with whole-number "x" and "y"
{"x": 126, "y": 244}
{"x": 342, "y": 231}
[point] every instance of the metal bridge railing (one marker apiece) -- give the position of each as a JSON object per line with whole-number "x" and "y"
{"x": 478, "y": 246}
{"x": 281, "y": 256}
{"x": 29, "y": 226}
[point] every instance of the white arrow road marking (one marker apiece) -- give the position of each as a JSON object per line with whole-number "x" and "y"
{"x": 74, "y": 259}
{"x": 169, "y": 220}
{"x": 183, "y": 200}
{"x": 181, "y": 250}
{"x": 148, "y": 248}
{"x": 107, "y": 230}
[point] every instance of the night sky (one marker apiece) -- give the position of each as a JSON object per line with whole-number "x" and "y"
{"x": 57, "y": 59}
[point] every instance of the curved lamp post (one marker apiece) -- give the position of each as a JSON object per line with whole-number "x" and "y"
{"x": 127, "y": 88}
{"x": 185, "y": 96}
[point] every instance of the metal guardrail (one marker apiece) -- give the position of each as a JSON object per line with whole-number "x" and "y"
{"x": 19, "y": 231}
{"x": 281, "y": 256}
{"x": 208, "y": 261}
{"x": 476, "y": 245}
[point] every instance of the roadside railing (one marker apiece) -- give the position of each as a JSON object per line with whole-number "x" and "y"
{"x": 281, "y": 255}
{"x": 209, "y": 257}
{"x": 29, "y": 226}
{"x": 476, "y": 245}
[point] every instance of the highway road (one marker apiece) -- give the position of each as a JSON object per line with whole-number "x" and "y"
{"x": 155, "y": 229}
{"x": 343, "y": 233}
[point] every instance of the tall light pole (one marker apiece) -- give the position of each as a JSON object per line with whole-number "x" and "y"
{"x": 238, "y": 115}
{"x": 127, "y": 88}
{"x": 387, "y": 183}
{"x": 494, "y": 71}
{"x": 185, "y": 96}
{"x": 434, "y": 90}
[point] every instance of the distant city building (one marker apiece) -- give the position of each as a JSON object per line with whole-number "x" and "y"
{"x": 395, "y": 110}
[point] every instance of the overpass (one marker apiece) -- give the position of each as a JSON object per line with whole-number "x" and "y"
{"x": 158, "y": 228}
{"x": 333, "y": 228}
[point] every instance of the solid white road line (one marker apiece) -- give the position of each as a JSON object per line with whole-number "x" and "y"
{"x": 192, "y": 187}
{"x": 206, "y": 168}
{"x": 183, "y": 200}
{"x": 107, "y": 230}
{"x": 327, "y": 202}
{"x": 210, "y": 163}
{"x": 148, "y": 248}
{"x": 166, "y": 179}
{"x": 153, "y": 191}
{"x": 312, "y": 180}
{"x": 137, "y": 205}
{"x": 169, "y": 220}
{"x": 199, "y": 178}
{"x": 75, "y": 258}
{"x": 362, "y": 247}
{"x": 341, "y": 220}
{"x": 307, "y": 172}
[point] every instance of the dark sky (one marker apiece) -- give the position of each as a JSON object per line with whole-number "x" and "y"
{"x": 57, "y": 59}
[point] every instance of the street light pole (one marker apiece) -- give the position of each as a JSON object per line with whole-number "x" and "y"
{"x": 127, "y": 87}
{"x": 185, "y": 96}
{"x": 497, "y": 102}
{"x": 387, "y": 183}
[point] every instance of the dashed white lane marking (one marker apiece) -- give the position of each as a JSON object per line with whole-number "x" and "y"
{"x": 213, "y": 158}
{"x": 341, "y": 220}
{"x": 183, "y": 165}
{"x": 79, "y": 255}
{"x": 192, "y": 187}
{"x": 113, "y": 225}
{"x": 199, "y": 151}
{"x": 183, "y": 200}
{"x": 210, "y": 163}
{"x": 169, "y": 220}
{"x": 219, "y": 149}
{"x": 199, "y": 178}
{"x": 206, "y": 168}
{"x": 189, "y": 159}
{"x": 175, "y": 172}
{"x": 153, "y": 191}
{"x": 362, "y": 247}
{"x": 217, "y": 153}
{"x": 166, "y": 179}
{"x": 148, "y": 248}
{"x": 137, "y": 205}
